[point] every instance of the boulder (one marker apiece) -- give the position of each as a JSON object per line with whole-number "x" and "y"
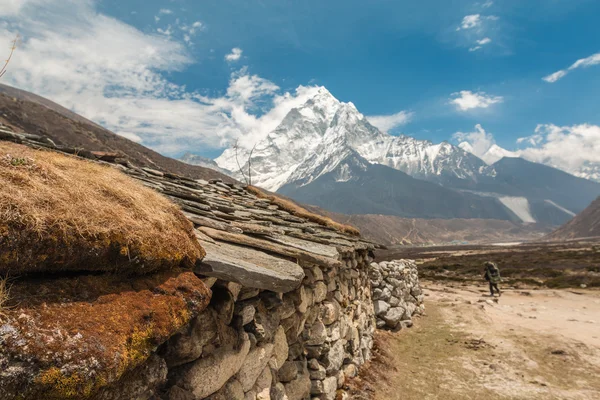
{"x": 334, "y": 359}
{"x": 381, "y": 307}
{"x": 187, "y": 345}
{"x": 320, "y": 292}
{"x": 280, "y": 347}
{"x": 288, "y": 372}
{"x": 316, "y": 334}
{"x": 263, "y": 385}
{"x": 208, "y": 374}
{"x": 231, "y": 391}
{"x": 393, "y": 316}
{"x": 299, "y": 388}
{"x": 330, "y": 312}
{"x": 278, "y": 392}
{"x": 318, "y": 374}
{"x": 253, "y": 365}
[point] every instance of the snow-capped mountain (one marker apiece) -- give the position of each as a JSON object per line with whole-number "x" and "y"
{"x": 495, "y": 153}
{"x": 492, "y": 155}
{"x": 326, "y": 153}
{"x": 313, "y": 139}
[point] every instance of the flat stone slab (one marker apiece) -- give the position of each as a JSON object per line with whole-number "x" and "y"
{"x": 251, "y": 268}
{"x": 312, "y": 247}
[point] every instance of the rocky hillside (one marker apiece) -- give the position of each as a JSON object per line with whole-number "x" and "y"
{"x": 355, "y": 185}
{"x": 586, "y": 224}
{"x": 390, "y": 230}
{"x": 27, "y": 112}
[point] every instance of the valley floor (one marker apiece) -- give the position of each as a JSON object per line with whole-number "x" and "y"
{"x": 538, "y": 344}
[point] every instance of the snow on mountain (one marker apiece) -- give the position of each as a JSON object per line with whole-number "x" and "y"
{"x": 589, "y": 171}
{"x": 520, "y": 206}
{"x": 493, "y": 154}
{"x": 276, "y": 157}
{"x": 314, "y": 138}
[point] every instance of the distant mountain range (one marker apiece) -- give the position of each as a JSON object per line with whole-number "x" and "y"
{"x": 494, "y": 153}
{"x": 326, "y": 153}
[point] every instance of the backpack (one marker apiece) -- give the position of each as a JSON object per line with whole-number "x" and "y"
{"x": 494, "y": 274}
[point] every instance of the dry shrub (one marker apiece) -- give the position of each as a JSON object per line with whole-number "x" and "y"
{"x": 60, "y": 213}
{"x": 298, "y": 211}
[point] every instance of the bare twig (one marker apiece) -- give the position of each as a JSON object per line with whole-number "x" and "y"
{"x": 12, "y": 50}
{"x": 250, "y": 166}
{"x": 236, "y": 147}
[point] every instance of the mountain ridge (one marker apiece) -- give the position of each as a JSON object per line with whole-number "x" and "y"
{"x": 314, "y": 139}
{"x": 324, "y": 121}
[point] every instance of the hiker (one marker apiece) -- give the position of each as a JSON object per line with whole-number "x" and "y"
{"x": 492, "y": 275}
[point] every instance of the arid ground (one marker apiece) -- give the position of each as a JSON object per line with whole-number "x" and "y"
{"x": 537, "y": 344}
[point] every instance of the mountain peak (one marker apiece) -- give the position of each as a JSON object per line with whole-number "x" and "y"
{"x": 313, "y": 139}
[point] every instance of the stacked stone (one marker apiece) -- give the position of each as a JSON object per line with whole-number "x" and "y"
{"x": 251, "y": 344}
{"x": 397, "y": 295}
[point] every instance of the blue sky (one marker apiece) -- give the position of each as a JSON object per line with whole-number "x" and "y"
{"x": 384, "y": 56}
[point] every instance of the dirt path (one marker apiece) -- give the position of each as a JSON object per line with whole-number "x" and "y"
{"x": 542, "y": 344}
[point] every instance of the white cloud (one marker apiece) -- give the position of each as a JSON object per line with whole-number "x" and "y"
{"x": 466, "y": 100}
{"x": 480, "y": 140}
{"x": 13, "y": 7}
{"x": 566, "y": 147}
{"x": 168, "y": 31}
{"x": 165, "y": 11}
{"x": 470, "y": 22}
{"x": 122, "y": 83}
{"x": 574, "y": 149}
{"x": 235, "y": 55}
{"x": 190, "y": 31}
{"x": 488, "y": 4}
{"x": 483, "y": 145}
{"x": 481, "y": 43}
{"x": 388, "y": 122}
{"x": 473, "y": 27}
{"x": 475, "y": 21}
{"x": 594, "y": 59}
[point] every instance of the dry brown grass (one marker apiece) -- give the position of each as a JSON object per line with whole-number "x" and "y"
{"x": 62, "y": 213}
{"x": 4, "y": 296}
{"x": 298, "y": 211}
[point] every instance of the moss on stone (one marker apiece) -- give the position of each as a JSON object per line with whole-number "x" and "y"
{"x": 79, "y": 334}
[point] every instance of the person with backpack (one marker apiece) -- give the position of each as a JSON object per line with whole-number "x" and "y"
{"x": 492, "y": 275}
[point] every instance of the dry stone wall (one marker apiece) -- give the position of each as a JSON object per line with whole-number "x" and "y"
{"x": 255, "y": 344}
{"x": 397, "y": 295}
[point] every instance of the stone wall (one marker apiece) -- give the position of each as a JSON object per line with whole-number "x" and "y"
{"x": 252, "y": 344}
{"x": 397, "y": 295}
{"x": 255, "y": 344}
